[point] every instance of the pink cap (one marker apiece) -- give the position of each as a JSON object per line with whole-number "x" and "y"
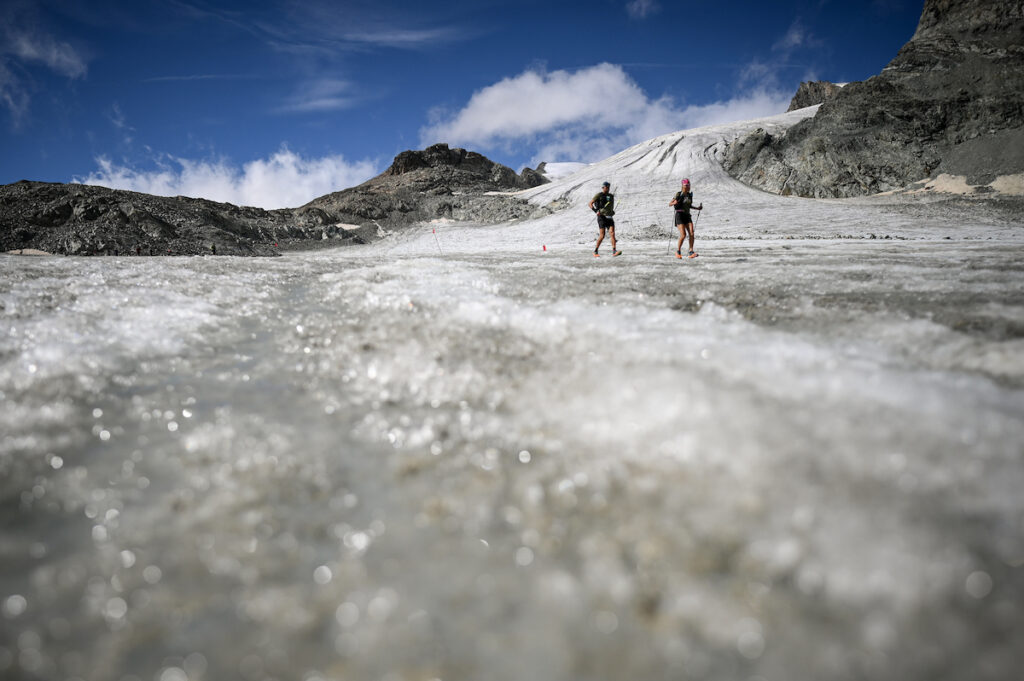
{"x": 686, "y": 182}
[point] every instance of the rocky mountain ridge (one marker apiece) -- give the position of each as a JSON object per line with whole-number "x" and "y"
{"x": 436, "y": 182}
{"x": 811, "y": 93}
{"x": 75, "y": 219}
{"x": 950, "y": 102}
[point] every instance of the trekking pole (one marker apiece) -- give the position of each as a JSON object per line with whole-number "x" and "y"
{"x": 693, "y": 230}
{"x": 434, "y": 230}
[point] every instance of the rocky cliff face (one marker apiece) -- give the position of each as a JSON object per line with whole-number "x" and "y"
{"x": 436, "y": 182}
{"x": 811, "y": 93}
{"x": 438, "y": 168}
{"x": 952, "y": 101}
{"x": 77, "y": 219}
{"x": 420, "y": 185}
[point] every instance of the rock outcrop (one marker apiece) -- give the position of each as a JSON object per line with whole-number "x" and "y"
{"x": 437, "y": 182}
{"x": 811, "y": 93}
{"x": 79, "y": 219}
{"x": 442, "y": 168}
{"x": 952, "y": 102}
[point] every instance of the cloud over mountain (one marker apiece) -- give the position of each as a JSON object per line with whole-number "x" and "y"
{"x": 582, "y": 115}
{"x": 285, "y": 179}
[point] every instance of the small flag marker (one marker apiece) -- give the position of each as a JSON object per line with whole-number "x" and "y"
{"x": 545, "y": 247}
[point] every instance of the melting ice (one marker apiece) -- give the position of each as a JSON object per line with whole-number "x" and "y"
{"x": 790, "y": 458}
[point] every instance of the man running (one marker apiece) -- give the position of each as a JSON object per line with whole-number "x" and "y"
{"x": 683, "y": 201}
{"x": 603, "y": 204}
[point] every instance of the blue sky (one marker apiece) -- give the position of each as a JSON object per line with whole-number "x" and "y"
{"x": 273, "y": 103}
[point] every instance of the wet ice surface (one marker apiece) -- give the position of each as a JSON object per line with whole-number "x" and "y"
{"x": 470, "y": 458}
{"x": 781, "y": 460}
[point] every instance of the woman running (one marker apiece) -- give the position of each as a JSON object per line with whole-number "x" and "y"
{"x": 683, "y": 201}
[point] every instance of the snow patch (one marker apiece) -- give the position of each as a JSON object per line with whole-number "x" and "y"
{"x": 1012, "y": 185}
{"x": 556, "y": 171}
{"x": 1007, "y": 185}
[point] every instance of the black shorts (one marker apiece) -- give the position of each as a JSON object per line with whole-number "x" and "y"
{"x": 683, "y": 218}
{"x": 604, "y": 221}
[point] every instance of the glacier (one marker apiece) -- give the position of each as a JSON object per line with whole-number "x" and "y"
{"x": 474, "y": 451}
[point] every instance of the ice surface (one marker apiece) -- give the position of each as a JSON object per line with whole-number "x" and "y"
{"x": 797, "y": 456}
{"x": 558, "y": 170}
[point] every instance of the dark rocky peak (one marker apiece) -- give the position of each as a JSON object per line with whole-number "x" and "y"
{"x": 77, "y": 219}
{"x": 534, "y": 178}
{"x": 994, "y": 20}
{"x": 440, "y": 156}
{"x": 431, "y": 183}
{"x": 951, "y": 35}
{"x": 457, "y": 169}
{"x": 950, "y": 103}
{"x": 811, "y": 93}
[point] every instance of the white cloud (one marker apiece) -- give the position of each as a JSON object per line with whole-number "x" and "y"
{"x": 322, "y": 95}
{"x": 758, "y": 71}
{"x": 317, "y": 27}
{"x": 533, "y": 102}
{"x": 120, "y": 122}
{"x": 118, "y": 118}
{"x": 404, "y": 38}
{"x": 768, "y": 72}
{"x": 284, "y": 180}
{"x": 12, "y": 94}
{"x": 640, "y": 9}
{"x": 58, "y": 56}
{"x": 757, "y": 103}
{"x": 201, "y": 76}
{"x": 584, "y": 115}
{"x": 797, "y": 36}
{"x": 794, "y": 38}
{"x": 20, "y": 48}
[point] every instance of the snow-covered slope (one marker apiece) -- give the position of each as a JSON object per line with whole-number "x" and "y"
{"x": 646, "y": 176}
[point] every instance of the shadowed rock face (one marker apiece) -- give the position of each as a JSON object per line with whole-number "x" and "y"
{"x": 436, "y": 182}
{"x": 76, "y": 219}
{"x": 420, "y": 185}
{"x": 443, "y": 165}
{"x": 811, "y": 93}
{"x": 952, "y": 101}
